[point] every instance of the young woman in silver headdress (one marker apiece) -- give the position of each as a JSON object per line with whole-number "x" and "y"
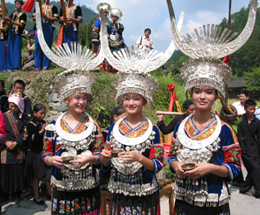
{"x": 136, "y": 154}
{"x": 203, "y": 142}
{"x": 72, "y": 145}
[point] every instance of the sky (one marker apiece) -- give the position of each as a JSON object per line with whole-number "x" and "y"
{"x": 153, "y": 14}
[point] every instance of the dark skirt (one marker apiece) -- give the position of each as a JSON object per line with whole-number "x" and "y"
{"x": 76, "y": 203}
{"x": 184, "y": 208}
{"x": 148, "y": 205}
{"x": 12, "y": 178}
{"x": 34, "y": 165}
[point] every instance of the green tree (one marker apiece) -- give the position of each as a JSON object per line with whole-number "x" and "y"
{"x": 252, "y": 81}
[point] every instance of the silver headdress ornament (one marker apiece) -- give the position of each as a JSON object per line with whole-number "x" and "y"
{"x": 78, "y": 57}
{"x": 72, "y": 81}
{"x": 104, "y": 6}
{"x": 116, "y": 12}
{"x": 136, "y": 63}
{"x": 206, "y": 46}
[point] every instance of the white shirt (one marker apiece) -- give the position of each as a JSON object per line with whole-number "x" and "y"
{"x": 240, "y": 109}
{"x": 145, "y": 41}
{"x": 257, "y": 111}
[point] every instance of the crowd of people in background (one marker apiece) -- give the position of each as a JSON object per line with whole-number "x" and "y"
{"x": 12, "y": 31}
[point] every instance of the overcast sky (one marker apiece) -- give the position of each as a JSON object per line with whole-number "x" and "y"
{"x": 141, "y": 14}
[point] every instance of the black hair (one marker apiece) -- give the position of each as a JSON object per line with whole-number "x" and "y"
{"x": 148, "y": 29}
{"x": 38, "y": 107}
{"x": 2, "y": 83}
{"x": 20, "y": 1}
{"x": 116, "y": 111}
{"x": 250, "y": 102}
{"x": 19, "y": 81}
{"x": 187, "y": 104}
{"x": 244, "y": 92}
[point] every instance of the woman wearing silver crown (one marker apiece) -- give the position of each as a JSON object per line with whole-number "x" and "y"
{"x": 134, "y": 154}
{"x": 205, "y": 153}
{"x": 72, "y": 144}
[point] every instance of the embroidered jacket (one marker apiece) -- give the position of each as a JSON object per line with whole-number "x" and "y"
{"x": 74, "y": 12}
{"x": 143, "y": 181}
{"x": 51, "y": 148}
{"x": 116, "y": 40}
{"x": 2, "y": 130}
{"x": 20, "y": 18}
{"x": 227, "y": 155}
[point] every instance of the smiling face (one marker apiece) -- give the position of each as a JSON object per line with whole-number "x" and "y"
{"x": 133, "y": 103}
{"x": 77, "y": 102}
{"x": 243, "y": 98}
{"x": 203, "y": 97}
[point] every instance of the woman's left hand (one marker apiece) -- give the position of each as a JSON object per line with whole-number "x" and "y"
{"x": 200, "y": 170}
{"x": 80, "y": 161}
{"x": 129, "y": 157}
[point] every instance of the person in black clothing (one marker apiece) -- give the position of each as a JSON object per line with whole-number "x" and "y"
{"x": 249, "y": 140}
{"x": 34, "y": 165}
{"x": 19, "y": 87}
{"x": 3, "y": 98}
{"x": 188, "y": 108}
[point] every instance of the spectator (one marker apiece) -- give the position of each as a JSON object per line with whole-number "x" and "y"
{"x": 3, "y": 45}
{"x": 34, "y": 165}
{"x": 19, "y": 87}
{"x": 28, "y": 56}
{"x": 249, "y": 140}
{"x": 257, "y": 111}
{"x": 12, "y": 174}
{"x": 145, "y": 41}
{"x": 17, "y": 21}
{"x": 243, "y": 96}
{"x": 74, "y": 18}
{"x": 3, "y": 97}
{"x": 50, "y": 15}
{"x": 188, "y": 108}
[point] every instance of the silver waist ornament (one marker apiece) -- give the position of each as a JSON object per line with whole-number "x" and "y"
{"x": 127, "y": 178}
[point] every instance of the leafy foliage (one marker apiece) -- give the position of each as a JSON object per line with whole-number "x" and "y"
{"x": 252, "y": 81}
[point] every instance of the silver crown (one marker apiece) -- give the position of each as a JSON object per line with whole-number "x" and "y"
{"x": 104, "y": 6}
{"x": 135, "y": 83}
{"x": 116, "y": 12}
{"x": 207, "y": 45}
{"x": 72, "y": 81}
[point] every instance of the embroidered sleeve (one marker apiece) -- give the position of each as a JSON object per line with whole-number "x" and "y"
{"x": 3, "y": 133}
{"x": 173, "y": 151}
{"x": 231, "y": 151}
{"x": 95, "y": 31}
{"x": 99, "y": 144}
{"x": 48, "y": 141}
{"x": 23, "y": 19}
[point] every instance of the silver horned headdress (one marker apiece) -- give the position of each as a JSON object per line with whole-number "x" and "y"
{"x": 76, "y": 57}
{"x": 206, "y": 46}
{"x": 104, "y": 6}
{"x": 72, "y": 82}
{"x": 116, "y": 12}
{"x": 136, "y": 63}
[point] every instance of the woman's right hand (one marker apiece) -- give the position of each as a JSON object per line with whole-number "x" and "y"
{"x": 57, "y": 161}
{"x": 106, "y": 154}
{"x": 176, "y": 166}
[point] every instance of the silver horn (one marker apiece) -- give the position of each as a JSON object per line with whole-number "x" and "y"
{"x": 208, "y": 41}
{"x": 131, "y": 60}
{"x": 76, "y": 58}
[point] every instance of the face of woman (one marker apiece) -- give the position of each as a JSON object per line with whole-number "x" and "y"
{"x": 18, "y": 5}
{"x": 13, "y": 108}
{"x": 203, "y": 97}
{"x": 115, "y": 19}
{"x": 40, "y": 114}
{"x": 133, "y": 103}
{"x": 77, "y": 102}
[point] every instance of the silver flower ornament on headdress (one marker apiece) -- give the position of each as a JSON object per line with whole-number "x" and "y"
{"x": 72, "y": 81}
{"x": 104, "y": 6}
{"x": 206, "y": 46}
{"x": 116, "y": 12}
{"x": 76, "y": 57}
